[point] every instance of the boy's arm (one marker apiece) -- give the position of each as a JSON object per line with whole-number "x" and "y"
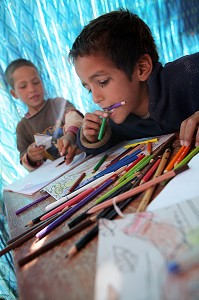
{"x": 67, "y": 144}
{"x": 28, "y": 164}
{"x": 73, "y": 118}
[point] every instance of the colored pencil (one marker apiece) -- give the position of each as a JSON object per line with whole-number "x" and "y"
{"x": 151, "y": 171}
{"x": 74, "y": 209}
{"x": 61, "y": 163}
{"x": 135, "y": 168}
{"x": 26, "y": 236}
{"x": 141, "y": 142}
{"x": 102, "y": 129}
{"x": 84, "y": 214}
{"x": 55, "y": 242}
{"x": 67, "y": 204}
{"x": 138, "y": 189}
{"x": 98, "y": 165}
{"x": 119, "y": 156}
{"x": 149, "y": 192}
{"x": 149, "y": 148}
{"x": 116, "y": 105}
{"x": 76, "y": 183}
{"x": 187, "y": 158}
{"x": 38, "y": 200}
{"x": 76, "y": 192}
{"x": 110, "y": 214}
{"x": 182, "y": 155}
{"x": 170, "y": 166}
{"x": 160, "y": 150}
{"x": 144, "y": 168}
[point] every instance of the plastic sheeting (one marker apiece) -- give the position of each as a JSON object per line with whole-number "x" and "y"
{"x": 43, "y": 32}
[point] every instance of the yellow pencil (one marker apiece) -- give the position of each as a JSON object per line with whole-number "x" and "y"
{"x": 149, "y": 192}
{"x": 141, "y": 142}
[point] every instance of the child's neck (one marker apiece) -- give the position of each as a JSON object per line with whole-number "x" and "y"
{"x": 34, "y": 110}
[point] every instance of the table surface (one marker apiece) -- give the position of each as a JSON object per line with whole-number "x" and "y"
{"x": 51, "y": 275}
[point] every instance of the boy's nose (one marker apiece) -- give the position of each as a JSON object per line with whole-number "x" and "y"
{"x": 32, "y": 87}
{"x": 97, "y": 98}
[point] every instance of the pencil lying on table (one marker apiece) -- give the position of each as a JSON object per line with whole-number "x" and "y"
{"x": 26, "y": 236}
{"x": 138, "y": 189}
{"x": 149, "y": 192}
{"x": 109, "y": 213}
{"x": 76, "y": 183}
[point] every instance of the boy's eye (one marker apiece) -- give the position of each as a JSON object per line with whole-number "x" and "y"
{"x": 104, "y": 82}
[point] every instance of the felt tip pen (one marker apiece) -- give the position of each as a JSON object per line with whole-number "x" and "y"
{"x": 184, "y": 261}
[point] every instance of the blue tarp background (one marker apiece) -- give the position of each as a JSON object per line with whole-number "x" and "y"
{"x": 43, "y": 32}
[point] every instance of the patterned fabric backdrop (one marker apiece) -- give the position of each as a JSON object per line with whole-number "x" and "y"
{"x": 43, "y": 32}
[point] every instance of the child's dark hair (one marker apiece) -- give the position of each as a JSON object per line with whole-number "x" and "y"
{"x": 119, "y": 35}
{"x": 13, "y": 66}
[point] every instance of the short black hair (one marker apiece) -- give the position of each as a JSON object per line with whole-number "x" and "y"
{"x": 119, "y": 35}
{"x": 13, "y": 66}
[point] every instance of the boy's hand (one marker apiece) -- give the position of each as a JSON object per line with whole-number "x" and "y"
{"x": 67, "y": 146}
{"x": 189, "y": 129}
{"x": 91, "y": 125}
{"x": 35, "y": 153}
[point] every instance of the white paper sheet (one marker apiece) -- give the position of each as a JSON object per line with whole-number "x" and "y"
{"x": 133, "y": 253}
{"x": 182, "y": 187}
{"x": 45, "y": 174}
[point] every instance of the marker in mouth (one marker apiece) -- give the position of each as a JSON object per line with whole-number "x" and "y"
{"x": 116, "y": 105}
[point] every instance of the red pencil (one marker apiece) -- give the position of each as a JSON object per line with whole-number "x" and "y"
{"x": 150, "y": 172}
{"x": 76, "y": 183}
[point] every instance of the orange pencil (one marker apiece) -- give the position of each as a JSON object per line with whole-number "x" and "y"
{"x": 149, "y": 148}
{"x": 182, "y": 155}
{"x": 170, "y": 166}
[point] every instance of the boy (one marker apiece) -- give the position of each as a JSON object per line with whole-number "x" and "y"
{"x": 115, "y": 57}
{"x": 56, "y": 117}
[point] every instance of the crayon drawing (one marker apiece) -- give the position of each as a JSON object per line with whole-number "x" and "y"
{"x": 133, "y": 253}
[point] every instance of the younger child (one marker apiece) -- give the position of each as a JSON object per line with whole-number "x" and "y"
{"x": 115, "y": 57}
{"x": 56, "y": 117}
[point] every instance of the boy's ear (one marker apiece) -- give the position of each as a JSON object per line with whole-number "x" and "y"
{"x": 12, "y": 92}
{"x": 145, "y": 67}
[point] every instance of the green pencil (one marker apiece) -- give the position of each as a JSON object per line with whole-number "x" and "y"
{"x": 188, "y": 158}
{"x": 135, "y": 169}
{"x": 102, "y": 129}
{"x": 100, "y": 163}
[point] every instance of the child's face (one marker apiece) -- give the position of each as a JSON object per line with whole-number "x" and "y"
{"x": 109, "y": 85}
{"x": 28, "y": 87}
